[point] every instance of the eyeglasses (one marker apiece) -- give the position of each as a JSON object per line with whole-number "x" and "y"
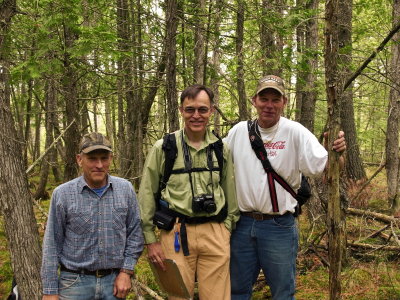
{"x": 191, "y": 110}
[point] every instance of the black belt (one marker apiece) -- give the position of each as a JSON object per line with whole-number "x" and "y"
{"x": 98, "y": 273}
{"x": 260, "y": 216}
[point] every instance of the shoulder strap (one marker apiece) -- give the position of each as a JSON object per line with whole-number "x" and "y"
{"x": 171, "y": 152}
{"x": 218, "y": 148}
{"x": 258, "y": 146}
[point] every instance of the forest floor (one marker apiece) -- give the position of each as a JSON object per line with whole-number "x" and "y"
{"x": 368, "y": 274}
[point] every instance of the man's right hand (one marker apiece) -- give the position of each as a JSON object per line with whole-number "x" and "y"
{"x": 156, "y": 255}
{"x": 50, "y": 297}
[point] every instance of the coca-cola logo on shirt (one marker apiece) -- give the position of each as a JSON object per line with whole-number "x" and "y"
{"x": 271, "y": 147}
{"x": 275, "y": 145}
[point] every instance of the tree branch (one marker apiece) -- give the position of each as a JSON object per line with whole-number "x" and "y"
{"x": 48, "y": 149}
{"x": 377, "y": 216}
{"x": 372, "y": 56}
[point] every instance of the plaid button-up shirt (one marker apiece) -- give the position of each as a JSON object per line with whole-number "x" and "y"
{"x": 85, "y": 231}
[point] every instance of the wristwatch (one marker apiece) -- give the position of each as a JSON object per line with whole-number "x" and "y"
{"x": 129, "y": 272}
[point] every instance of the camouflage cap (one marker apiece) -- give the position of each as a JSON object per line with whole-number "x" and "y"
{"x": 94, "y": 141}
{"x": 271, "y": 82}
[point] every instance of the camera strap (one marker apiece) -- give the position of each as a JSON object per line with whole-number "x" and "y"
{"x": 188, "y": 164}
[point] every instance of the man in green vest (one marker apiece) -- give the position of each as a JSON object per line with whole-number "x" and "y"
{"x": 198, "y": 201}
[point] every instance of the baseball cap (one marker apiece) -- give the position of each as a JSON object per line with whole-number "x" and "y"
{"x": 271, "y": 82}
{"x": 94, "y": 141}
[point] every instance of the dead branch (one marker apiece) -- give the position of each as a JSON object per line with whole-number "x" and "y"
{"x": 374, "y": 215}
{"x": 136, "y": 290}
{"x": 382, "y": 165}
{"x": 223, "y": 116}
{"x": 375, "y": 233}
{"x": 48, "y": 149}
{"x": 147, "y": 290}
{"x": 322, "y": 259}
{"x": 396, "y": 238}
{"x": 372, "y": 56}
{"x": 373, "y": 247}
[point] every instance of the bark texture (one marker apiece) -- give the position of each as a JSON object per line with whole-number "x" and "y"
{"x": 333, "y": 87}
{"x": 392, "y": 136}
{"x": 15, "y": 199}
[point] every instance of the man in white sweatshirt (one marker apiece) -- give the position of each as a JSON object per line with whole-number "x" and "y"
{"x": 266, "y": 235}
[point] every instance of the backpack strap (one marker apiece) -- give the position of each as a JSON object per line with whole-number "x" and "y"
{"x": 218, "y": 148}
{"x": 258, "y": 146}
{"x": 171, "y": 152}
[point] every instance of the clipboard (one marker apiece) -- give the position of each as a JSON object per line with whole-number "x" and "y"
{"x": 170, "y": 280}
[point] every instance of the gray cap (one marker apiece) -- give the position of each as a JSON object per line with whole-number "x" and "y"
{"x": 271, "y": 82}
{"x": 94, "y": 141}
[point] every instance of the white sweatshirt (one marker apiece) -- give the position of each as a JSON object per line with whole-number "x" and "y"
{"x": 292, "y": 151}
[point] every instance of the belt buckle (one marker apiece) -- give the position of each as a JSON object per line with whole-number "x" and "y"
{"x": 258, "y": 216}
{"x": 99, "y": 274}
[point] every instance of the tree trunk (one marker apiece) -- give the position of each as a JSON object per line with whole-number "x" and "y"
{"x": 73, "y": 135}
{"x": 306, "y": 90}
{"x": 392, "y": 136}
{"x": 54, "y": 130}
{"x": 333, "y": 88}
{"x": 243, "y": 115}
{"x": 125, "y": 90}
{"x": 216, "y": 68}
{"x": 199, "y": 45}
{"x": 38, "y": 123}
{"x": 269, "y": 38}
{"x": 171, "y": 26}
{"x": 15, "y": 202}
{"x": 45, "y": 164}
{"x": 354, "y": 167}
{"x": 27, "y": 132}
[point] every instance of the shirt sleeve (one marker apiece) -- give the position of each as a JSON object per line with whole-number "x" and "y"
{"x": 148, "y": 189}
{"x": 312, "y": 156}
{"x": 229, "y": 188}
{"x": 52, "y": 245}
{"x": 134, "y": 234}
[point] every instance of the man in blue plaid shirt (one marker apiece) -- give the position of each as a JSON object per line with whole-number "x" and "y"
{"x": 93, "y": 234}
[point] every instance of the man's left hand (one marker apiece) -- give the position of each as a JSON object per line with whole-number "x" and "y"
{"x": 122, "y": 285}
{"x": 339, "y": 145}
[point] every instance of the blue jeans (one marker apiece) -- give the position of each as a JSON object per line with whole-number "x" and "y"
{"x": 270, "y": 245}
{"x": 73, "y": 286}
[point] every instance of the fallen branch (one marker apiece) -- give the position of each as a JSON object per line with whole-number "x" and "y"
{"x": 147, "y": 290}
{"x": 375, "y": 233}
{"x": 373, "y": 247}
{"x": 395, "y": 235}
{"x": 322, "y": 259}
{"x": 374, "y": 215}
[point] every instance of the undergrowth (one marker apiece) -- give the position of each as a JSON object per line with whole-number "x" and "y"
{"x": 367, "y": 274}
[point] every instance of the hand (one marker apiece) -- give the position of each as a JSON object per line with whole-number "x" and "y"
{"x": 50, "y": 297}
{"x": 339, "y": 145}
{"x": 156, "y": 255}
{"x": 122, "y": 285}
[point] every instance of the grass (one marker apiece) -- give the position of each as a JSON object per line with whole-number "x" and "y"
{"x": 368, "y": 274}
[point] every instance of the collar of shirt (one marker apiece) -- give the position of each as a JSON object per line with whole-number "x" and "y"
{"x": 209, "y": 138}
{"x": 82, "y": 183}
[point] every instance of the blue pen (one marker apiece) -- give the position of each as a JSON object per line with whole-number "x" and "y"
{"x": 177, "y": 228}
{"x": 176, "y": 242}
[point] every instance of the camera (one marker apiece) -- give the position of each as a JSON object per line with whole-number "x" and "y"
{"x": 205, "y": 203}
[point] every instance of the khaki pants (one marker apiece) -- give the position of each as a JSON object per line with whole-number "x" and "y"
{"x": 208, "y": 260}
